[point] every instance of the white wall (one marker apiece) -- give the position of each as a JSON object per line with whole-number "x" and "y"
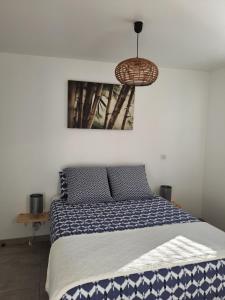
{"x": 36, "y": 144}
{"x": 214, "y": 183}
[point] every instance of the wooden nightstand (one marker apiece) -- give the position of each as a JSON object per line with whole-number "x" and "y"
{"x": 35, "y": 220}
{"x": 176, "y": 204}
{"x": 29, "y": 218}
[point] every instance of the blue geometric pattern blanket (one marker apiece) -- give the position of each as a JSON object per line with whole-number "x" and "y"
{"x": 205, "y": 280}
{"x": 202, "y": 281}
{"x": 67, "y": 219}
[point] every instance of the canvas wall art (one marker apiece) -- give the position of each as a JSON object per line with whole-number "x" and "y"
{"x": 100, "y": 105}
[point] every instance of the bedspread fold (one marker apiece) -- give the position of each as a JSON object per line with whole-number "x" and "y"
{"x": 79, "y": 259}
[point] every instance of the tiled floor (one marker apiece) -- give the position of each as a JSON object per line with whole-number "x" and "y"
{"x": 23, "y": 271}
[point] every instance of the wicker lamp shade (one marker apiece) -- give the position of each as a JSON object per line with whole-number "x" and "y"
{"x": 136, "y": 71}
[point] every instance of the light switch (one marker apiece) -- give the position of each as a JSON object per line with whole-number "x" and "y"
{"x": 163, "y": 156}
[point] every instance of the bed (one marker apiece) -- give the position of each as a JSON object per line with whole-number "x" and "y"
{"x": 133, "y": 249}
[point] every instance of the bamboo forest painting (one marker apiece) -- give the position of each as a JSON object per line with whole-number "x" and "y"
{"x": 100, "y": 105}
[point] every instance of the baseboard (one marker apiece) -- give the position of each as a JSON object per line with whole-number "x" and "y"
{"x": 201, "y": 219}
{"x": 23, "y": 240}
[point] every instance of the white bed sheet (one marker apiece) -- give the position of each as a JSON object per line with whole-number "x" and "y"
{"x": 80, "y": 259}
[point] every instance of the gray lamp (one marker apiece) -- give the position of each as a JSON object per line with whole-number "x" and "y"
{"x": 36, "y": 204}
{"x": 165, "y": 191}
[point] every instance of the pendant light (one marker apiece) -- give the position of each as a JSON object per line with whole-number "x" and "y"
{"x": 136, "y": 71}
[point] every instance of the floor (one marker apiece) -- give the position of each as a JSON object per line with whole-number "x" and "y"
{"x": 23, "y": 271}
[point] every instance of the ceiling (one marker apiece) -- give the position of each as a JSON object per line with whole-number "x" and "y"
{"x": 176, "y": 33}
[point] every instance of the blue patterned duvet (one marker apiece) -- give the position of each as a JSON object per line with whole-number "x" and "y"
{"x": 195, "y": 281}
{"x": 67, "y": 219}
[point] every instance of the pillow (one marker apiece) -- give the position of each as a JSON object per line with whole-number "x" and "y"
{"x": 63, "y": 185}
{"x": 128, "y": 182}
{"x": 87, "y": 184}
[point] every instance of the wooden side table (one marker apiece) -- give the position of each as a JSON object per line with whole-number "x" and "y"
{"x": 35, "y": 220}
{"x": 176, "y": 204}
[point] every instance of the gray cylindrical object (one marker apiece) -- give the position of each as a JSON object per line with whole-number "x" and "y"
{"x": 166, "y": 192}
{"x": 36, "y": 204}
